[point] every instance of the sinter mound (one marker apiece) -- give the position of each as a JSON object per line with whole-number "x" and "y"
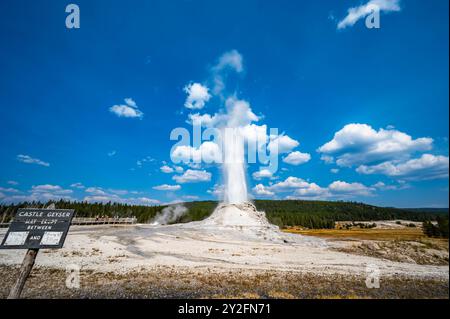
{"x": 244, "y": 220}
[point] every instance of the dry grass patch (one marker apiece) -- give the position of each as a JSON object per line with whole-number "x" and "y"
{"x": 411, "y": 234}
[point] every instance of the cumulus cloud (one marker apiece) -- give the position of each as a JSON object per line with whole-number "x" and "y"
{"x": 298, "y": 188}
{"x": 356, "y": 13}
{"x": 77, "y": 185}
{"x": 426, "y": 167}
{"x": 55, "y": 189}
{"x": 166, "y": 187}
{"x": 357, "y": 144}
{"x": 205, "y": 120}
{"x": 166, "y": 169}
{"x": 208, "y": 152}
{"x": 193, "y": 176}
{"x": 282, "y": 144}
{"x": 261, "y": 190}
{"x": 344, "y": 188}
{"x": 288, "y": 184}
{"x": 9, "y": 190}
{"x": 38, "y": 193}
{"x": 178, "y": 169}
{"x": 197, "y": 97}
{"x": 128, "y": 110}
{"x": 297, "y": 158}
{"x": 30, "y": 160}
{"x": 264, "y": 173}
{"x": 239, "y": 113}
{"x": 217, "y": 190}
{"x": 95, "y": 191}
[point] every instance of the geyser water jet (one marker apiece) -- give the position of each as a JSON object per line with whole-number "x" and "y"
{"x": 234, "y": 167}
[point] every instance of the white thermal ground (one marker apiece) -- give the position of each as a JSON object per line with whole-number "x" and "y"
{"x": 234, "y": 237}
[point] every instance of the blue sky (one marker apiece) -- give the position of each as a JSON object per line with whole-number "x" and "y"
{"x": 383, "y": 92}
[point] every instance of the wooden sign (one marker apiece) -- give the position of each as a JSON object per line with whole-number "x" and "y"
{"x": 34, "y": 228}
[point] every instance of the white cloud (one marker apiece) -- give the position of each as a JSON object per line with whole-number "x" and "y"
{"x": 147, "y": 159}
{"x": 217, "y": 190}
{"x": 95, "y": 191}
{"x": 327, "y": 159}
{"x": 344, "y": 188}
{"x": 334, "y": 170}
{"x": 426, "y": 167}
{"x": 297, "y": 158}
{"x": 38, "y": 193}
{"x": 298, "y": 188}
{"x": 282, "y": 144}
{"x": 30, "y": 160}
{"x": 312, "y": 190}
{"x": 261, "y": 190}
{"x": 205, "y": 120}
{"x": 231, "y": 60}
{"x": 129, "y": 109}
{"x": 130, "y": 102}
{"x": 289, "y": 184}
{"x": 190, "y": 197}
{"x": 14, "y": 183}
{"x": 9, "y": 190}
{"x": 178, "y": 169}
{"x": 356, "y": 13}
{"x": 119, "y": 191}
{"x": 357, "y": 144}
{"x": 166, "y": 187}
{"x": 112, "y": 153}
{"x": 197, "y": 97}
{"x": 193, "y": 176}
{"x": 265, "y": 173}
{"x": 47, "y": 188}
{"x": 144, "y": 201}
{"x": 77, "y": 185}
{"x": 166, "y": 169}
{"x": 239, "y": 113}
{"x": 208, "y": 152}
{"x": 382, "y": 186}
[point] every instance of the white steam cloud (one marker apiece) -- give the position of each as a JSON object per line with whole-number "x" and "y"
{"x": 169, "y": 215}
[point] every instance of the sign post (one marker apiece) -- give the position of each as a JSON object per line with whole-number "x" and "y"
{"x": 34, "y": 229}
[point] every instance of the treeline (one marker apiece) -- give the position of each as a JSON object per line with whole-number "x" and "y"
{"x": 144, "y": 214}
{"x": 439, "y": 230}
{"x": 310, "y": 214}
{"x": 324, "y": 214}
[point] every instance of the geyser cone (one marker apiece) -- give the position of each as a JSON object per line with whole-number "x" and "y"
{"x": 238, "y": 215}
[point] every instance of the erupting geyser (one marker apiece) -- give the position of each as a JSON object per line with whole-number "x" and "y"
{"x": 233, "y": 167}
{"x": 236, "y": 211}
